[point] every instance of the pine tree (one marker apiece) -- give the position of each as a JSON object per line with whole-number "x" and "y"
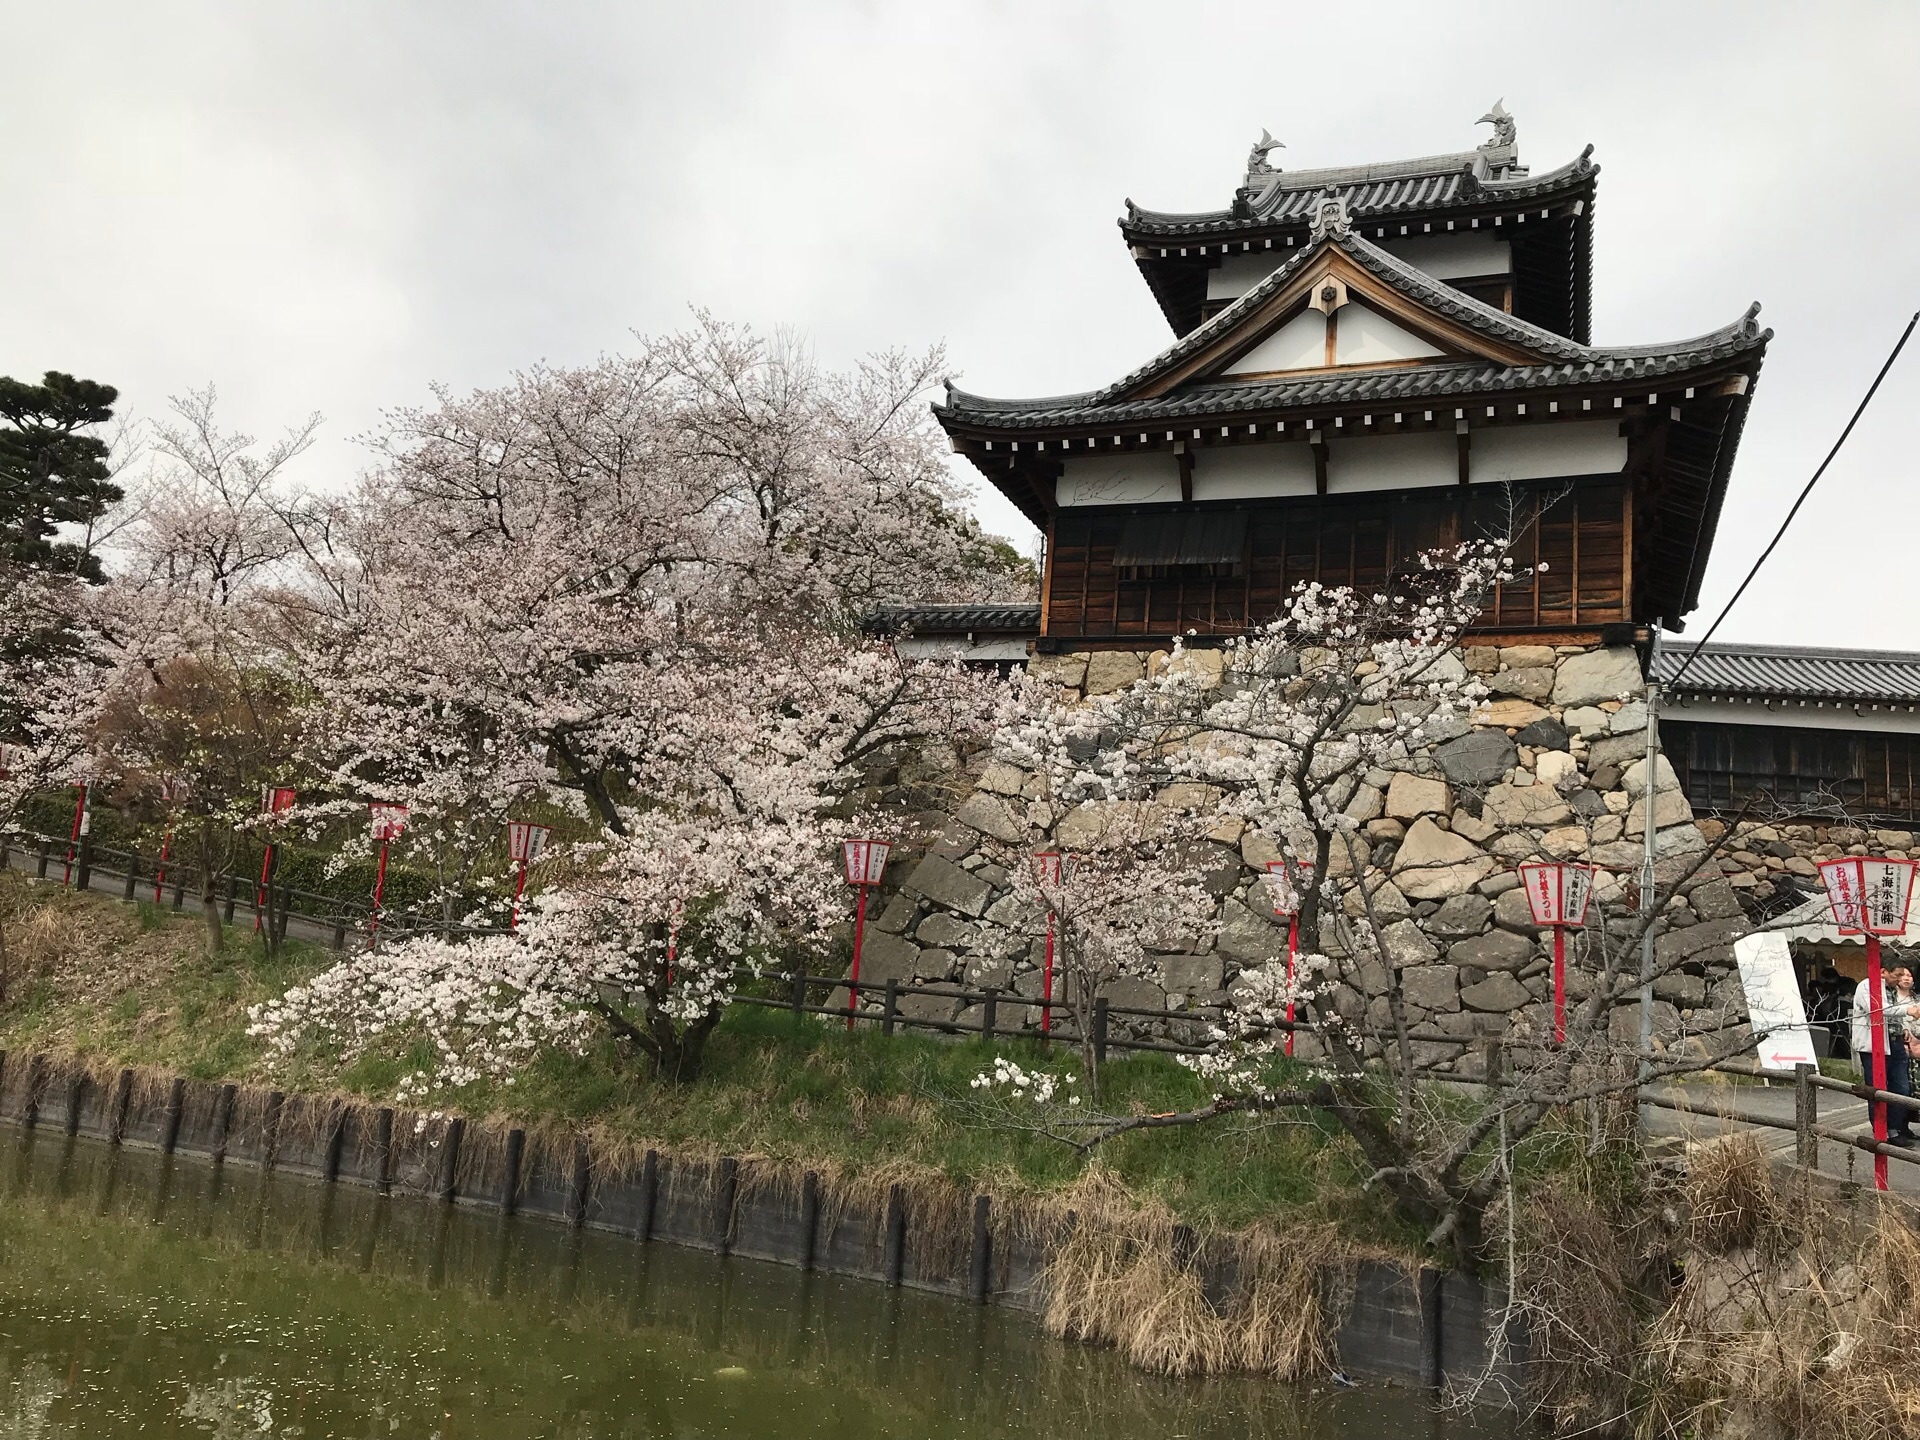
{"x": 51, "y": 473}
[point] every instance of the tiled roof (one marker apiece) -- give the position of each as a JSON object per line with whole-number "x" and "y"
{"x": 1794, "y": 672}
{"x": 955, "y": 619}
{"x": 1398, "y": 188}
{"x": 1571, "y": 363}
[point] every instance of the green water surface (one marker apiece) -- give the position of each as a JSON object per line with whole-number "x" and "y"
{"x": 142, "y": 1296}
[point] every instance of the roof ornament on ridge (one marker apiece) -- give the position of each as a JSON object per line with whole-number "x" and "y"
{"x": 1330, "y": 218}
{"x": 1257, "y": 161}
{"x": 1501, "y": 153}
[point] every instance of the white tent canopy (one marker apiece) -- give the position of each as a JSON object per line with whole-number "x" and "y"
{"x": 1813, "y": 922}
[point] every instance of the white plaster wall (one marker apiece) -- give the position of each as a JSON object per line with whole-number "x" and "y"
{"x": 1237, "y": 274}
{"x": 1366, "y": 337}
{"x": 1119, "y": 479}
{"x": 1453, "y": 257}
{"x": 1299, "y": 344}
{"x": 1252, "y": 471}
{"x": 957, "y": 647}
{"x": 1541, "y": 452}
{"x": 1392, "y": 462}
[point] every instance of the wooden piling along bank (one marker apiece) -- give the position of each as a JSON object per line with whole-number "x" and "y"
{"x": 1421, "y": 1328}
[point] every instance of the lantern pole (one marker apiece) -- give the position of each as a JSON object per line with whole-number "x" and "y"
{"x": 859, "y": 930}
{"x": 1877, "y": 1038}
{"x": 1046, "y": 984}
{"x": 379, "y": 884}
{"x": 160, "y": 869}
{"x": 73, "y": 834}
{"x": 1293, "y": 953}
{"x": 1559, "y": 984}
{"x": 519, "y": 888}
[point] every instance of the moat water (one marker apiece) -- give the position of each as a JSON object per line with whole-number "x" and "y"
{"x": 142, "y": 1296}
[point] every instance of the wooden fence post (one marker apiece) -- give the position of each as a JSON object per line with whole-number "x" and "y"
{"x": 176, "y": 1107}
{"x": 233, "y": 895}
{"x": 132, "y": 876}
{"x": 40, "y": 864}
{"x": 797, "y": 997}
{"x": 83, "y": 880}
{"x": 510, "y": 1182}
{"x": 76, "y": 1092}
{"x": 1806, "y": 1114}
{"x": 649, "y": 1195}
{"x": 989, "y": 1012}
{"x": 336, "y": 1142}
{"x": 276, "y": 1106}
{"x": 809, "y": 1217}
{"x": 724, "y": 1199}
{"x": 223, "y": 1120}
{"x": 890, "y": 1008}
{"x": 383, "y": 1148}
{"x": 1100, "y": 1031}
{"x": 122, "y": 1097}
{"x": 450, "y": 1159}
{"x": 896, "y": 1251}
{"x": 980, "y": 1261}
{"x": 580, "y": 1183}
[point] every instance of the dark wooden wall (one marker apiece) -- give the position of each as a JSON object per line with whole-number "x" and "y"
{"x": 1791, "y": 771}
{"x": 1577, "y": 527}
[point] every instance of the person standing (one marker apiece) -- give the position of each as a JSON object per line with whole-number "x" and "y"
{"x": 1903, "y": 1038}
{"x": 1893, "y": 1041}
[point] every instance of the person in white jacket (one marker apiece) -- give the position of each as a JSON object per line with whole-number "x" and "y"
{"x": 1896, "y": 1015}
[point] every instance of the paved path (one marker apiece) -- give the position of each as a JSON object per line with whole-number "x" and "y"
{"x": 1775, "y": 1101}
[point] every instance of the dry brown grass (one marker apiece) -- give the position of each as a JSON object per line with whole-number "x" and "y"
{"x": 1124, "y": 1273}
{"x": 76, "y": 953}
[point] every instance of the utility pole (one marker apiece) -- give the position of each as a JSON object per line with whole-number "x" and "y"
{"x": 1648, "y": 902}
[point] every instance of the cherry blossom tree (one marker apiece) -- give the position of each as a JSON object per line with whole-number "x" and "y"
{"x": 1270, "y": 739}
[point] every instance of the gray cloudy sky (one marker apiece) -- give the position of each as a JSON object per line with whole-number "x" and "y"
{"x": 330, "y": 206}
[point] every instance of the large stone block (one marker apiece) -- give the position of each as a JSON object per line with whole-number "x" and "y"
{"x": 1110, "y": 670}
{"x": 1133, "y": 993}
{"x": 1534, "y": 807}
{"x": 1512, "y": 912}
{"x": 1015, "y": 913}
{"x": 1478, "y": 759}
{"x": 1411, "y": 796}
{"x": 1192, "y": 974}
{"x": 1532, "y": 682}
{"x": 1433, "y": 864}
{"x": 942, "y": 928}
{"x": 1405, "y": 944}
{"x": 989, "y": 815}
{"x": 1633, "y": 779}
{"x": 945, "y": 883}
{"x": 1510, "y": 714}
{"x": 885, "y": 957}
{"x": 1067, "y": 670}
{"x": 1366, "y": 803}
{"x": 1697, "y": 942}
{"x": 1670, "y": 807}
{"x": 1432, "y": 987}
{"x": 1495, "y": 994}
{"x": 1461, "y": 917}
{"x": 1000, "y": 778}
{"x": 1245, "y": 937}
{"x": 1495, "y": 950}
{"x": 1610, "y": 674}
{"x": 899, "y": 913}
{"x": 1527, "y": 657}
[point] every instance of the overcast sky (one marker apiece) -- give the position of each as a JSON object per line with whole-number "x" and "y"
{"x": 331, "y": 206}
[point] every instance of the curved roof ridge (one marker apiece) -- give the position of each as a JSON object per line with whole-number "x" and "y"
{"x": 1556, "y": 351}
{"x": 1292, "y": 184}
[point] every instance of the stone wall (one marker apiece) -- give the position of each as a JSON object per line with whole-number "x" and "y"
{"x": 1443, "y": 830}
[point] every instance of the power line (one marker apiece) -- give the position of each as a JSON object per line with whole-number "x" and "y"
{"x": 1859, "y": 410}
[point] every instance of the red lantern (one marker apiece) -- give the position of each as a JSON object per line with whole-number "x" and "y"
{"x": 1557, "y": 895}
{"x": 1286, "y": 901}
{"x": 1871, "y": 895}
{"x": 865, "y": 862}
{"x": 526, "y": 842}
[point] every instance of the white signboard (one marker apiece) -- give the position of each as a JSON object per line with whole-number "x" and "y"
{"x": 526, "y": 842}
{"x": 1781, "y": 1037}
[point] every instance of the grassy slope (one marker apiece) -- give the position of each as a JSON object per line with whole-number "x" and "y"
{"x": 123, "y": 985}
